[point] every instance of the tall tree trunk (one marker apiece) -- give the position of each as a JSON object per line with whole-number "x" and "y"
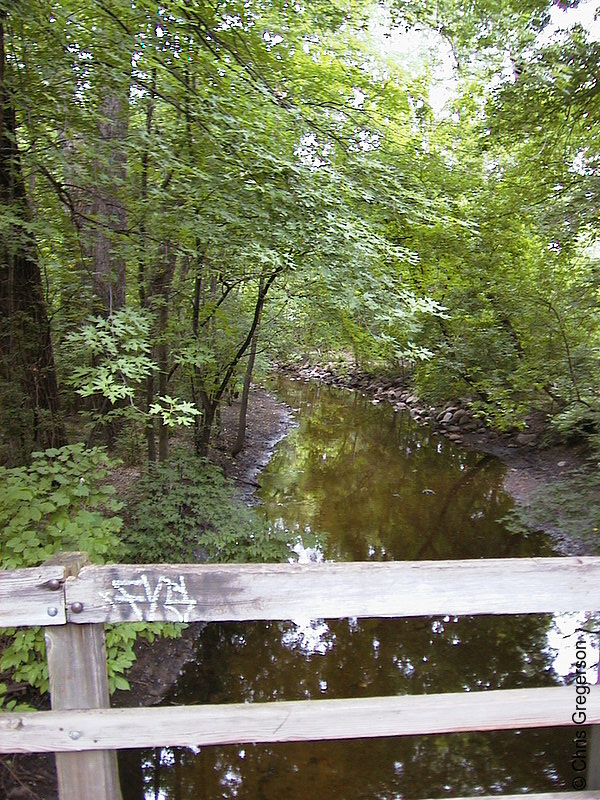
{"x": 163, "y": 379}
{"x": 210, "y": 401}
{"x": 28, "y": 380}
{"x": 161, "y": 294}
{"x": 196, "y": 379}
{"x": 241, "y": 433}
{"x": 208, "y": 419}
{"x": 108, "y": 204}
{"x": 150, "y": 428}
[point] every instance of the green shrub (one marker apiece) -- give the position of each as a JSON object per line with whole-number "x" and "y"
{"x": 186, "y": 511}
{"x": 182, "y": 511}
{"x": 60, "y": 502}
{"x": 579, "y": 420}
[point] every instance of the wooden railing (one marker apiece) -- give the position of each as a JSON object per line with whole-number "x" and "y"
{"x": 73, "y": 600}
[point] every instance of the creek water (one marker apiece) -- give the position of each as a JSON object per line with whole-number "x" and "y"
{"x": 357, "y": 482}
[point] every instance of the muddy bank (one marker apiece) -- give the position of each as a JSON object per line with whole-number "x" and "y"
{"x": 267, "y": 423}
{"x": 532, "y": 466}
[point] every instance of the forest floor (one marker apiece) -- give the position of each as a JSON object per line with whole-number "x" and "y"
{"x": 268, "y": 422}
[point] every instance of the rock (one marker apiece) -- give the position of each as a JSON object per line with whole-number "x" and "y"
{"x": 526, "y": 439}
{"x": 461, "y": 417}
{"x": 469, "y": 426}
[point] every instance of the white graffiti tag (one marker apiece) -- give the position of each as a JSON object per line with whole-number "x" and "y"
{"x": 172, "y": 595}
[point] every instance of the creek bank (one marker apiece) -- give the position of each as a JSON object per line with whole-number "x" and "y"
{"x": 454, "y": 420}
{"x": 267, "y": 423}
{"x": 531, "y": 466}
{"x": 159, "y": 663}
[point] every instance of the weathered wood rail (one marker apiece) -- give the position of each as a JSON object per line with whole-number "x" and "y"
{"x": 73, "y": 600}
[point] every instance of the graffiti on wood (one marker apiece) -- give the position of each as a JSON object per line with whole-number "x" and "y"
{"x": 144, "y": 598}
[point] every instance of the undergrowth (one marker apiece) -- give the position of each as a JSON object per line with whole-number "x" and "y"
{"x": 186, "y": 511}
{"x": 183, "y": 511}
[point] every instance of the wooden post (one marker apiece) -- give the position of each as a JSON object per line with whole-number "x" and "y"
{"x": 77, "y": 671}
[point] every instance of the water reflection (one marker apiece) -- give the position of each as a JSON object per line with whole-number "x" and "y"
{"x": 381, "y": 488}
{"x": 459, "y": 764}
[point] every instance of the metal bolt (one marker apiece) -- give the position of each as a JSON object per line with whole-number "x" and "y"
{"x": 54, "y": 584}
{"x": 52, "y": 611}
{"x": 77, "y": 608}
{"x": 74, "y": 734}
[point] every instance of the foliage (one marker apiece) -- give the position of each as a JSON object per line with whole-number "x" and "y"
{"x": 61, "y": 502}
{"x": 211, "y": 150}
{"x": 174, "y": 412}
{"x": 116, "y": 354}
{"x": 580, "y": 419}
{"x": 195, "y": 172}
{"x": 186, "y": 511}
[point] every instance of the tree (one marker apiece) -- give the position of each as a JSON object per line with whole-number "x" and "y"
{"x": 28, "y": 381}
{"x": 193, "y": 151}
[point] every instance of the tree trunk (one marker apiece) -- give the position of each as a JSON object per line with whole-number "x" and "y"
{"x": 163, "y": 380}
{"x": 108, "y": 207}
{"x": 150, "y": 428}
{"x": 204, "y": 434}
{"x": 211, "y": 401}
{"x": 28, "y": 382}
{"x": 160, "y": 294}
{"x": 241, "y": 433}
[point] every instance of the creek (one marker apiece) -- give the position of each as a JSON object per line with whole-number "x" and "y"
{"x": 356, "y": 482}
